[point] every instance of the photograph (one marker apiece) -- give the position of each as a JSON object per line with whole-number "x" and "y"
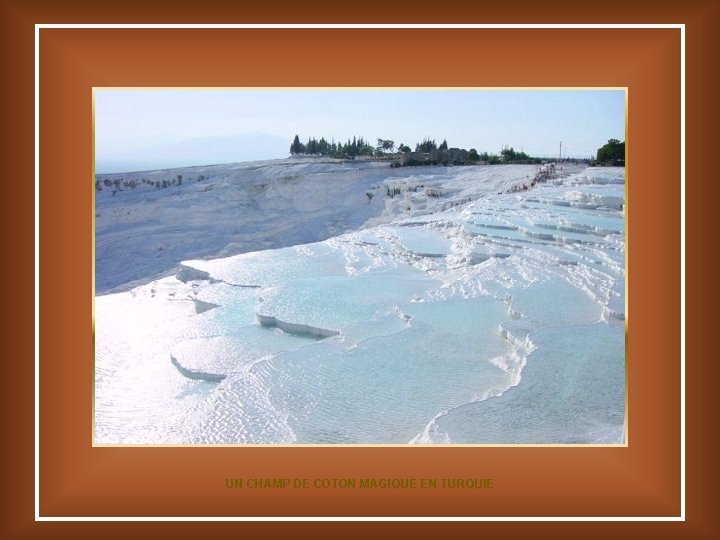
{"x": 351, "y": 266}
{"x": 295, "y": 273}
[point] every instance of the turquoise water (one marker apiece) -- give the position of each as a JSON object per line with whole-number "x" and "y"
{"x": 572, "y": 392}
{"x": 472, "y": 327}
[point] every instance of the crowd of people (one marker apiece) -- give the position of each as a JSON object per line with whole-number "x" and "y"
{"x": 545, "y": 173}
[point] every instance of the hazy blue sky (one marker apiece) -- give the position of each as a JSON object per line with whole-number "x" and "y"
{"x": 138, "y": 129}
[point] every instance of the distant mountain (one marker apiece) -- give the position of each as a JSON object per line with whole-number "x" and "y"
{"x": 196, "y": 151}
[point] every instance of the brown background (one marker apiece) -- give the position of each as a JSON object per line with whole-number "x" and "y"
{"x": 642, "y": 479}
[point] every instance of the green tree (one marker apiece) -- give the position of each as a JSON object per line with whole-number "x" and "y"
{"x": 426, "y": 146}
{"x": 613, "y": 153}
{"x": 297, "y": 147}
{"x": 385, "y": 145}
{"x": 312, "y": 146}
{"x": 473, "y": 155}
{"x": 508, "y": 154}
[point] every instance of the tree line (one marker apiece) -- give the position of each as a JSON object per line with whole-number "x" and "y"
{"x": 427, "y": 152}
{"x": 358, "y": 146}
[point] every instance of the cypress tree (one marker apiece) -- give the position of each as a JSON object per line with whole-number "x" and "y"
{"x": 296, "y": 147}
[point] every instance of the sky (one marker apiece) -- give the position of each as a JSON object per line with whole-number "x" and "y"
{"x": 138, "y": 129}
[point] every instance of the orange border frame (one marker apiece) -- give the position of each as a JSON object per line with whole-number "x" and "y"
{"x": 71, "y": 61}
{"x": 78, "y": 480}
